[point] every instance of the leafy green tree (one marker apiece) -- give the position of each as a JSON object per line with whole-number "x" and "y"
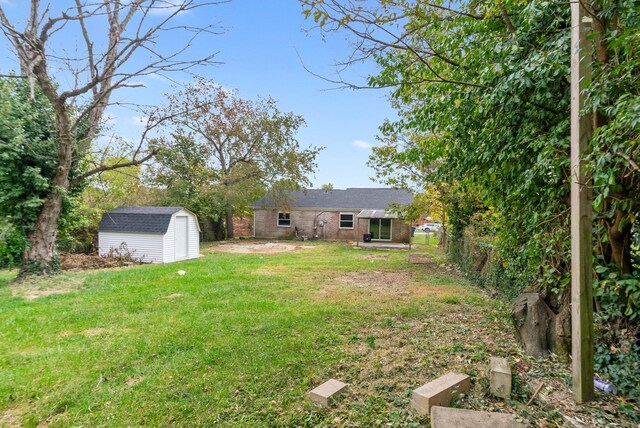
{"x": 103, "y": 192}
{"x": 482, "y": 91}
{"x": 183, "y": 172}
{"x": 109, "y": 38}
{"x": 327, "y": 186}
{"x": 28, "y": 144}
{"x": 231, "y": 150}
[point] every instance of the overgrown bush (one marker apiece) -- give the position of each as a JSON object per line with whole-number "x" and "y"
{"x": 12, "y": 244}
{"x": 478, "y": 258}
{"x": 618, "y": 328}
{"x": 78, "y": 231}
{"x": 617, "y": 358}
{"x": 617, "y": 301}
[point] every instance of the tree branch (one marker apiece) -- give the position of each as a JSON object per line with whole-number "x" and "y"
{"x": 632, "y": 163}
{"x": 507, "y": 19}
{"x": 103, "y": 168}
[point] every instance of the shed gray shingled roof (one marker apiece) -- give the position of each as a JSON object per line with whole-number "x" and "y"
{"x": 148, "y": 220}
{"x": 351, "y": 198}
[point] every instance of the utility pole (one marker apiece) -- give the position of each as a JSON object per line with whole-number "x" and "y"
{"x": 581, "y": 209}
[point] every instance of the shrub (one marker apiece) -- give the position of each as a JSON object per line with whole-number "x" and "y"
{"x": 12, "y": 244}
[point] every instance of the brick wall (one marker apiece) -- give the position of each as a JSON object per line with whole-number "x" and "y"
{"x": 242, "y": 226}
{"x": 308, "y": 222}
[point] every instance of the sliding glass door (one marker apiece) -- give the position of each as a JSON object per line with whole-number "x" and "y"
{"x": 380, "y": 228}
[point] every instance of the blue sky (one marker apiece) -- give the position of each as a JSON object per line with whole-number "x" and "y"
{"x": 262, "y": 52}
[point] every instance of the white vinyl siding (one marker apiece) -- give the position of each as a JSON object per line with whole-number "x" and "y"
{"x": 194, "y": 236}
{"x": 182, "y": 237}
{"x": 154, "y": 248}
{"x": 193, "y": 239}
{"x": 143, "y": 247}
{"x": 169, "y": 241}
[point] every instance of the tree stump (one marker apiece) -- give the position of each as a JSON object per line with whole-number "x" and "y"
{"x": 535, "y": 324}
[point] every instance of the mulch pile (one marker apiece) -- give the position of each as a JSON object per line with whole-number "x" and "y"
{"x": 94, "y": 261}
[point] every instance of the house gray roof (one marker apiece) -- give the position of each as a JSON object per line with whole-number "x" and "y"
{"x": 351, "y": 198}
{"x": 148, "y": 220}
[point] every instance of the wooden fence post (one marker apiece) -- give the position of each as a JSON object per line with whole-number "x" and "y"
{"x": 581, "y": 210}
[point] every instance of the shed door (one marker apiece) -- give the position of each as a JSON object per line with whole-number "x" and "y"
{"x": 181, "y": 234}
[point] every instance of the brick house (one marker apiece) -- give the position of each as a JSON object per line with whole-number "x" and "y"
{"x": 336, "y": 214}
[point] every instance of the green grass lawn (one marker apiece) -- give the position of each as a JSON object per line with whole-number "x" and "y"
{"x": 422, "y": 238}
{"x": 240, "y": 339}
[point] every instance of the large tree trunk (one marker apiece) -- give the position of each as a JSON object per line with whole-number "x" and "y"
{"x": 40, "y": 258}
{"x": 620, "y": 241}
{"x": 229, "y": 221}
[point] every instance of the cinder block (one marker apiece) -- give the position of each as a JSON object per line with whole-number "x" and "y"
{"x": 500, "y": 377}
{"x": 439, "y": 392}
{"x": 327, "y": 392}
{"x": 447, "y": 417}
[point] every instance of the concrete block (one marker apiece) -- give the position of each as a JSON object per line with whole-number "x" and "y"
{"x": 500, "y": 377}
{"x": 447, "y": 417}
{"x": 327, "y": 392}
{"x": 439, "y": 392}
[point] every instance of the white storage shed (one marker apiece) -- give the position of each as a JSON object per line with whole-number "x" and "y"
{"x": 150, "y": 234}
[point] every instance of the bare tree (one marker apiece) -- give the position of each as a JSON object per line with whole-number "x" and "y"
{"x": 118, "y": 40}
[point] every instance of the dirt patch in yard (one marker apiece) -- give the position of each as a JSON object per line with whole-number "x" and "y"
{"x": 272, "y": 270}
{"x": 10, "y": 418}
{"x": 172, "y": 296}
{"x": 377, "y": 281}
{"x": 31, "y": 288}
{"x": 375, "y": 257}
{"x": 424, "y": 259}
{"x": 253, "y": 247}
{"x": 94, "y": 331}
{"x": 134, "y": 380}
{"x": 392, "y": 284}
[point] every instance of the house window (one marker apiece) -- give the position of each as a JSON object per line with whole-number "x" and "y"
{"x": 346, "y": 220}
{"x": 284, "y": 219}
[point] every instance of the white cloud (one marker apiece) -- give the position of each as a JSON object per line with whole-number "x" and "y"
{"x": 362, "y": 144}
{"x": 157, "y": 76}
